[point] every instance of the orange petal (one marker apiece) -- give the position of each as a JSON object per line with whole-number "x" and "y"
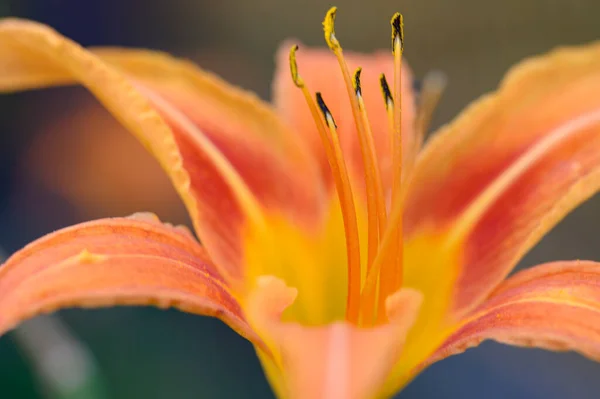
{"x": 554, "y": 306}
{"x": 272, "y": 162}
{"x": 226, "y": 152}
{"x": 321, "y": 72}
{"x": 494, "y": 181}
{"x": 121, "y": 261}
{"x": 338, "y": 360}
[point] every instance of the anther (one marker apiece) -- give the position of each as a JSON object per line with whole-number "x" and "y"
{"x": 329, "y": 29}
{"x": 325, "y": 110}
{"x": 356, "y": 80}
{"x": 388, "y": 100}
{"x": 397, "y": 23}
{"x": 385, "y": 90}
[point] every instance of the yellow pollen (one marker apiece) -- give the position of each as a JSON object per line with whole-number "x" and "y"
{"x": 333, "y": 151}
{"x": 328, "y": 29}
{"x": 397, "y": 23}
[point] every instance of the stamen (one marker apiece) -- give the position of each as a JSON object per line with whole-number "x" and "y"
{"x": 388, "y": 245}
{"x": 333, "y": 151}
{"x": 385, "y": 90}
{"x": 431, "y": 90}
{"x": 390, "y": 276}
{"x": 373, "y": 183}
{"x": 397, "y": 23}
{"x": 381, "y": 209}
{"x": 389, "y": 106}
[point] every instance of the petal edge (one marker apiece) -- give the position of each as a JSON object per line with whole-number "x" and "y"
{"x": 554, "y": 306}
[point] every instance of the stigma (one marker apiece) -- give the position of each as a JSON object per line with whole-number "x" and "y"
{"x": 383, "y": 260}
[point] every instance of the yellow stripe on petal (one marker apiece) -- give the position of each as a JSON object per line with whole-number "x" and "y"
{"x": 490, "y": 184}
{"x": 554, "y": 306}
{"x": 432, "y": 265}
{"x": 507, "y": 170}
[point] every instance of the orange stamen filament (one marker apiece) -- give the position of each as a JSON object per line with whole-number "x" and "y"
{"x": 374, "y": 187}
{"x": 333, "y": 151}
{"x": 381, "y": 208}
{"x": 390, "y": 277}
{"x": 388, "y": 245}
{"x": 397, "y": 50}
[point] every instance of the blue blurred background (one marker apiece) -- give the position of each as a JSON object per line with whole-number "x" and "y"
{"x": 64, "y": 160}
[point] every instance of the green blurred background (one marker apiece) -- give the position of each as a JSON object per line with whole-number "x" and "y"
{"x": 53, "y": 173}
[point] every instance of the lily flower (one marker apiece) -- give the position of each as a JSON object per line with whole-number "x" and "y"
{"x": 349, "y": 254}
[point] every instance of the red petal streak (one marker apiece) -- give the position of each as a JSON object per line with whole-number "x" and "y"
{"x": 108, "y": 262}
{"x": 232, "y": 191}
{"x": 554, "y": 306}
{"x": 273, "y": 163}
{"x": 321, "y": 72}
{"x": 513, "y": 165}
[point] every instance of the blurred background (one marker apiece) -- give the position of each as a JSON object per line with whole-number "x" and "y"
{"x": 64, "y": 160}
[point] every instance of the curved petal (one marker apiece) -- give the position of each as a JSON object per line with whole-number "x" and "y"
{"x": 121, "y": 261}
{"x": 554, "y": 306}
{"x": 335, "y": 361}
{"x": 494, "y": 181}
{"x": 320, "y": 70}
{"x": 226, "y": 152}
{"x": 274, "y": 163}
